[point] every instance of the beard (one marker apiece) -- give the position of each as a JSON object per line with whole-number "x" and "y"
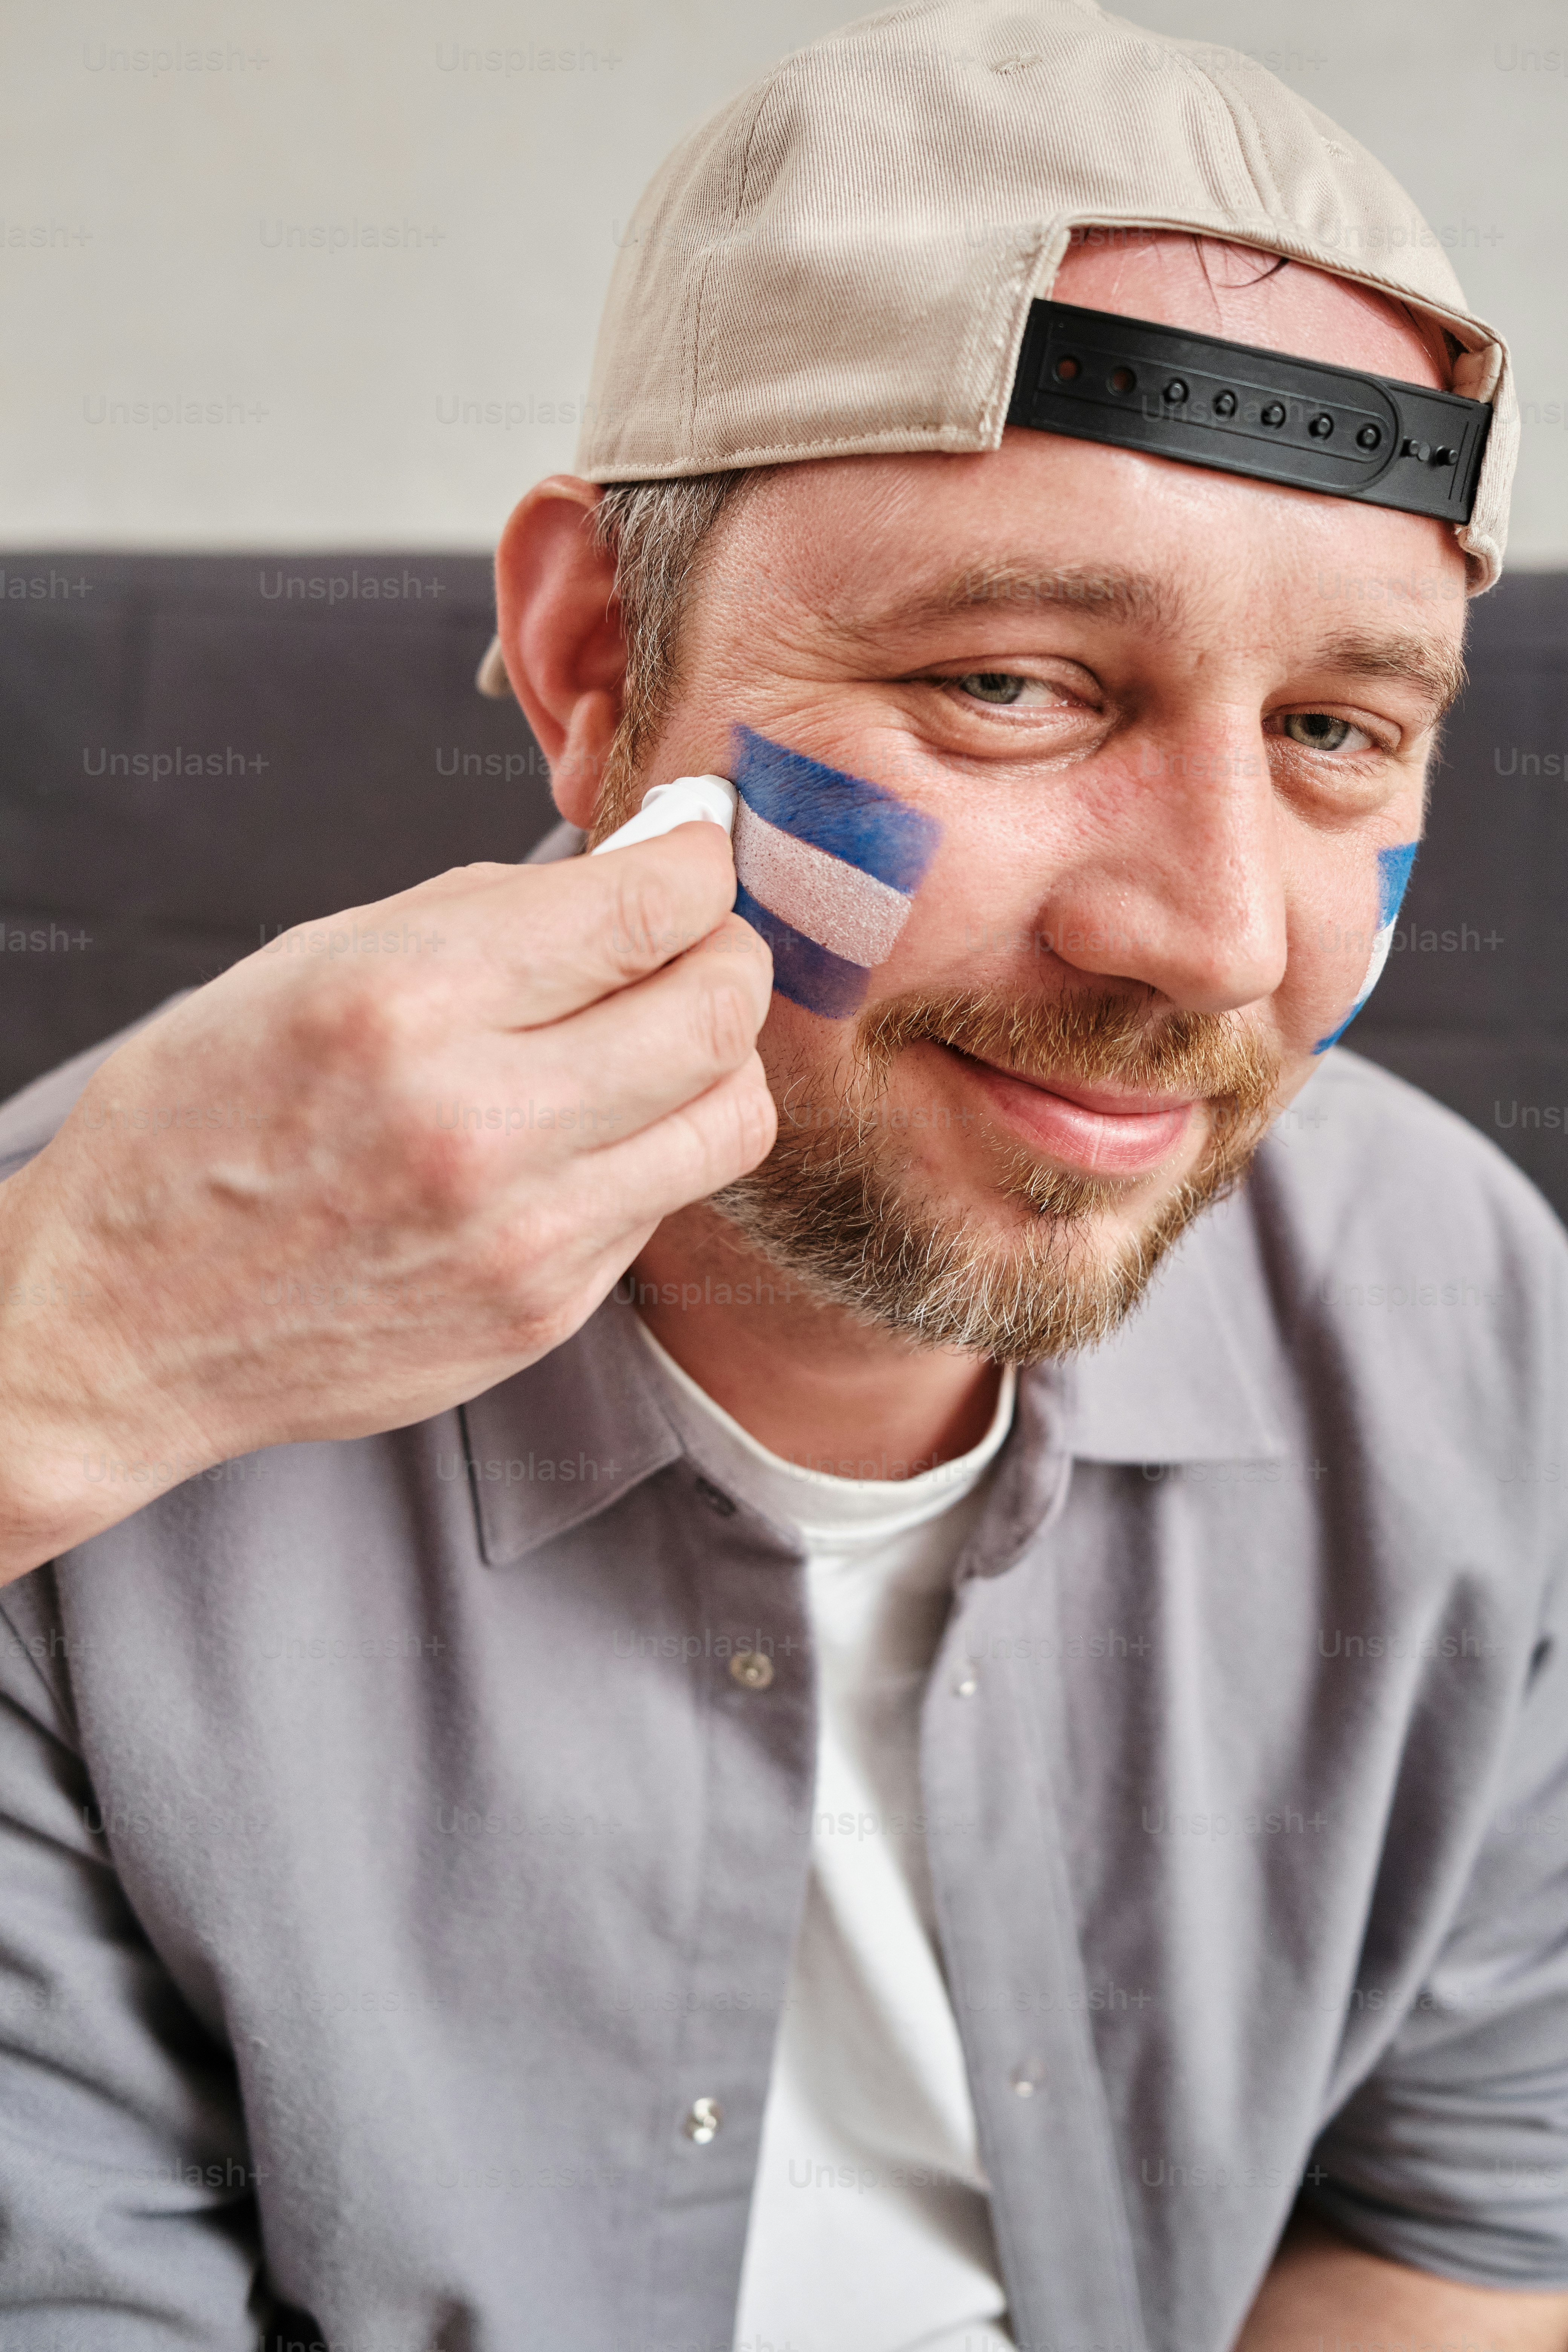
{"x": 839, "y": 1204}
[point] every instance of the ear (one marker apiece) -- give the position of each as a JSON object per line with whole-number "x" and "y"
{"x": 560, "y": 636}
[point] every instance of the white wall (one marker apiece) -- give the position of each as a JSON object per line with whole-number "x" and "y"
{"x": 155, "y": 188}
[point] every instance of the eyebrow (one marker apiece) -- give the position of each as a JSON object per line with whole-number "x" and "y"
{"x": 1135, "y": 599}
{"x": 1139, "y": 600}
{"x": 1424, "y": 662}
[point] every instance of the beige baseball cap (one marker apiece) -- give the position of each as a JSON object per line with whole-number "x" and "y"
{"x": 843, "y": 259}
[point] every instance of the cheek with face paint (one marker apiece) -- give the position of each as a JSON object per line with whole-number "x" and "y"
{"x": 829, "y": 866}
{"x": 1393, "y": 876}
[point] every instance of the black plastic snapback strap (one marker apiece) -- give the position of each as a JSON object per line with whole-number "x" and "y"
{"x": 1209, "y": 403}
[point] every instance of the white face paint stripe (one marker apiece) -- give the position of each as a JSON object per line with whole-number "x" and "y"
{"x": 1394, "y": 866}
{"x": 1382, "y": 942}
{"x": 850, "y": 913}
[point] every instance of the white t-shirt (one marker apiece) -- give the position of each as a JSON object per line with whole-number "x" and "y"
{"x": 871, "y": 2224}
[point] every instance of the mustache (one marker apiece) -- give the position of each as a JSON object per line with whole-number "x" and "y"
{"x": 1094, "y": 1036}
{"x": 838, "y": 1201}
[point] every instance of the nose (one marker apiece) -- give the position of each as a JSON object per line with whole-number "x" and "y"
{"x": 1179, "y": 879}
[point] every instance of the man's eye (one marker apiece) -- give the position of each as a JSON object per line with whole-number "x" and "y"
{"x": 995, "y": 686}
{"x": 1319, "y": 731}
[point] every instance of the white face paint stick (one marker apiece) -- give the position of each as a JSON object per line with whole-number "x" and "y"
{"x": 709, "y": 800}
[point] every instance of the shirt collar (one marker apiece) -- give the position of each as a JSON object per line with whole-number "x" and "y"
{"x": 563, "y": 1439}
{"x": 1196, "y": 1374}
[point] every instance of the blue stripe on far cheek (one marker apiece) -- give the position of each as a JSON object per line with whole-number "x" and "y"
{"x": 1393, "y": 880}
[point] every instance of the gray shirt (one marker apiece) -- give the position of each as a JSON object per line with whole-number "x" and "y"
{"x": 393, "y": 1854}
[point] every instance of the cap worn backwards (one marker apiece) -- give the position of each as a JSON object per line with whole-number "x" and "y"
{"x": 856, "y": 255}
{"x": 842, "y": 259}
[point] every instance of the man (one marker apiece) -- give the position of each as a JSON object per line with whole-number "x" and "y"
{"x": 894, "y": 1778}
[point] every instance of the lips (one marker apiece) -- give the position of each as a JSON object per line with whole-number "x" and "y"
{"x": 1094, "y": 1130}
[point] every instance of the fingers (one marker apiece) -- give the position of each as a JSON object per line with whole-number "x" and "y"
{"x": 634, "y": 1057}
{"x": 562, "y": 937}
{"x": 524, "y": 946}
{"x": 684, "y": 1156}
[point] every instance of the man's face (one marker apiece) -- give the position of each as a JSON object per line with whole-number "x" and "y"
{"x": 1166, "y": 717}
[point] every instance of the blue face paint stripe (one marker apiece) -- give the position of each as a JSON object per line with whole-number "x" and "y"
{"x": 1393, "y": 879}
{"x": 1335, "y": 1034}
{"x": 846, "y": 815}
{"x": 809, "y": 975}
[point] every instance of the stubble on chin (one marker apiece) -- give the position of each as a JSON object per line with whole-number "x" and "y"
{"x": 840, "y": 1205}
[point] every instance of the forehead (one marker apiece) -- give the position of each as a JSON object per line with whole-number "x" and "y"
{"x": 1248, "y": 297}
{"x": 861, "y": 546}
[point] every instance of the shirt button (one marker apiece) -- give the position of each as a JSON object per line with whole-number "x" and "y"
{"x": 703, "y": 2120}
{"x": 1028, "y": 2078}
{"x": 715, "y": 1498}
{"x": 753, "y": 1669}
{"x": 966, "y": 1685}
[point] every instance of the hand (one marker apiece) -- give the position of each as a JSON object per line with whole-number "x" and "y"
{"x": 341, "y": 1189}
